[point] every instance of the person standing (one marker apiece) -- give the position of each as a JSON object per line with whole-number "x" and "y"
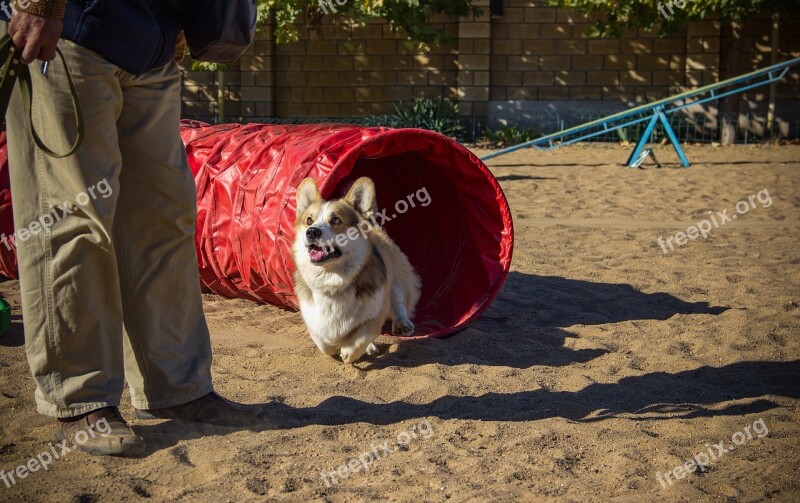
{"x": 111, "y": 292}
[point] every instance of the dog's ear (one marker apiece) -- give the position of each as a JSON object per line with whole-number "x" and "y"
{"x": 307, "y": 194}
{"x": 362, "y": 196}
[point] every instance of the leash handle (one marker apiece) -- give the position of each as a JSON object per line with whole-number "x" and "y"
{"x": 14, "y": 70}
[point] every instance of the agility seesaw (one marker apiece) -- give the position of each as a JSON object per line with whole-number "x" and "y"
{"x": 653, "y": 113}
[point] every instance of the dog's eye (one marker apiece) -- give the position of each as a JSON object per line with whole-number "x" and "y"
{"x": 335, "y": 221}
{"x": 309, "y": 221}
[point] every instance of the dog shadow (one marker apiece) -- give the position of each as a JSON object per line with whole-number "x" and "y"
{"x": 526, "y": 325}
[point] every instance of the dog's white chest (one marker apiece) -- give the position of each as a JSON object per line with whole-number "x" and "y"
{"x": 330, "y": 318}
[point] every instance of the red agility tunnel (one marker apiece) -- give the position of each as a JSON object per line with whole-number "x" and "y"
{"x": 8, "y": 251}
{"x": 438, "y": 201}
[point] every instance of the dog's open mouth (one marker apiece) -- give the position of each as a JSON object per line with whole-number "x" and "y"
{"x": 318, "y": 254}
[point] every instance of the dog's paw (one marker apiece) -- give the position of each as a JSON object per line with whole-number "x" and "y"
{"x": 402, "y": 327}
{"x": 373, "y": 350}
{"x": 348, "y": 356}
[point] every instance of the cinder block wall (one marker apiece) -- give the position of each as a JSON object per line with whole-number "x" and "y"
{"x": 336, "y": 70}
{"x": 524, "y": 67}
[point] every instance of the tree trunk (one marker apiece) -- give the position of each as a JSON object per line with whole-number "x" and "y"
{"x": 729, "y": 107}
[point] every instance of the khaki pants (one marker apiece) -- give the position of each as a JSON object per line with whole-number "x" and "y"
{"x": 109, "y": 281}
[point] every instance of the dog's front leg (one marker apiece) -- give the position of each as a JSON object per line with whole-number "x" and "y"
{"x": 401, "y": 325}
{"x": 360, "y": 342}
{"x": 325, "y": 348}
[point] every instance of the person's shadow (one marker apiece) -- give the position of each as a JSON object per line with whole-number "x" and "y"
{"x": 654, "y": 396}
{"x": 702, "y": 392}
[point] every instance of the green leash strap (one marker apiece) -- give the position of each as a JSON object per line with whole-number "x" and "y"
{"x": 14, "y": 70}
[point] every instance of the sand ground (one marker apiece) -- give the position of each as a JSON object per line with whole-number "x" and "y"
{"x": 604, "y": 362}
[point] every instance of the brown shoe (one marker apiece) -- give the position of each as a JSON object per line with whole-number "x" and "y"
{"x": 102, "y": 432}
{"x": 211, "y": 409}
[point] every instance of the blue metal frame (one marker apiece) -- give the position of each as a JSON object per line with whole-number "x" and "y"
{"x": 654, "y": 113}
{"x": 658, "y": 115}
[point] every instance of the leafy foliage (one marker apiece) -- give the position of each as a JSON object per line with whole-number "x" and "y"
{"x": 285, "y": 12}
{"x": 614, "y": 18}
{"x": 410, "y": 16}
{"x": 436, "y": 114}
{"x": 379, "y": 121}
{"x": 509, "y": 136}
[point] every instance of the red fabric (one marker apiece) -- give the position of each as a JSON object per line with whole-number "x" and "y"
{"x": 8, "y": 251}
{"x": 461, "y": 243}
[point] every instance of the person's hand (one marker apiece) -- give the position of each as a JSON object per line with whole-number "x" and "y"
{"x": 36, "y": 36}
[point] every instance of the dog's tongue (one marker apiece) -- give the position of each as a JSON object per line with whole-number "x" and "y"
{"x": 316, "y": 254}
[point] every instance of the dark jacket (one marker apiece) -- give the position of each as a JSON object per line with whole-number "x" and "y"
{"x": 136, "y": 35}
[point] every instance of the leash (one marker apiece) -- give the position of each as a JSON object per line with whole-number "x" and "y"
{"x": 13, "y": 70}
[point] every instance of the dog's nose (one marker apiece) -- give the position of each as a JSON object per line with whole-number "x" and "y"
{"x": 313, "y": 233}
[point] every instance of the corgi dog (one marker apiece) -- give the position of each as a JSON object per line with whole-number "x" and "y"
{"x": 350, "y": 276}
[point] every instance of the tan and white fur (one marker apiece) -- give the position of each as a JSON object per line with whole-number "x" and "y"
{"x": 348, "y": 287}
